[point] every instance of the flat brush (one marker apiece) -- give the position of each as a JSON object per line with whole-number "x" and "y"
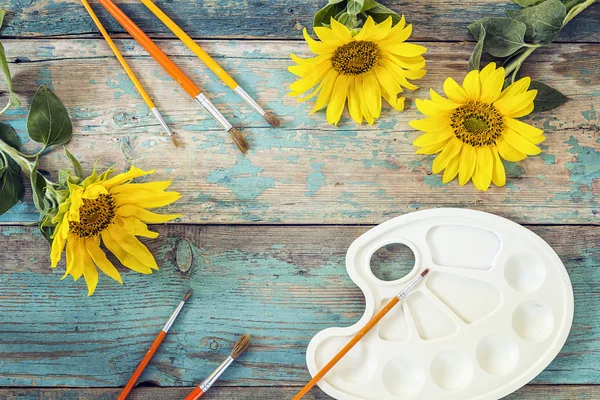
{"x": 400, "y": 296}
{"x": 130, "y": 72}
{"x": 238, "y": 349}
{"x": 175, "y": 72}
{"x": 155, "y": 345}
{"x": 211, "y": 63}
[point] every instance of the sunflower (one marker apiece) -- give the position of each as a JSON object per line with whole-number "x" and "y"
{"x": 476, "y": 126}
{"x": 376, "y": 62}
{"x": 113, "y": 211}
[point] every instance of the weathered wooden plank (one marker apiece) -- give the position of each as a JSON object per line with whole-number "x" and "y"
{"x": 281, "y": 284}
{"x": 433, "y": 20}
{"x": 308, "y": 171}
{"x": 530, "y": 392}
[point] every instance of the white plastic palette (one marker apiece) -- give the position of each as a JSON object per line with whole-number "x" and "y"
{"x": 494, "y": 311}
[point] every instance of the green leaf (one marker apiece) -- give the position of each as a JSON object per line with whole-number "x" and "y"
{"x": 48, "y": 121}
{"x": 76, "y": 165}
{"x": 543, "y": 21}
{"x": 9, "y": 136}
{"x": 335, "y": 1}
{"x": 547, "y": 97}
{"x": 369, "y": 4}
{"x": 12, "y": 99}
{"x": 380, "y": 13}
{"x": 475, "y": 58}
{"x": 38, "y": 188}
{"x": 2, "y": 13}
{"x": 11, "y": 187}
{"x": 324, "y": 15}
{"x": 355, "y": 6}
{"x": 528, "y": 3}
{"x": 503, "y": 36}
{"x": 575, "y": 7}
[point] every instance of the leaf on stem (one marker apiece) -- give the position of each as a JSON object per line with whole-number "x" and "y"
{"x": 528, "y": 3}
{"x": 76, "y": 165}
{"x": 38, "y": 188}
{"x": 11, "y": 185}
{"x": 547, "y": 97}
{"x": 503, "y": 36}
{"x": 543, "y": 21}
{"x": 324, "y": 15}
{"x": 48, "y": 121}
{"x": 475, "y": 59}
{"x": 380, "y": 13}
{"x": 9, "y": 136}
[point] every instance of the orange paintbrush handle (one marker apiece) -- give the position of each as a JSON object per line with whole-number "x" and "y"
{"x": 151, "y": 47}
{"x": 347, "y": 348}
{"x": 195, "y": 394}
{"x": 140, "y": 368}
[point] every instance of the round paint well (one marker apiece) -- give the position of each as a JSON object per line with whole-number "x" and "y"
{"x": 452, "y": 370}
{"x": 403, "y": 377}
{"x": 497, "y": 355}
{"x": 533, "y": 321}
{"x": 524, "y": 273}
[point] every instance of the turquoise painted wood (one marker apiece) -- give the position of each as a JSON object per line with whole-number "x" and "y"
{"x": 280, "y": 284}
{"x": 434, "y": 20}
{"x": 307, "y": 171}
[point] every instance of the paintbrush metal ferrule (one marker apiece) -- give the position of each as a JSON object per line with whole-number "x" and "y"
{"x": 173, "y": 317}
{"x": 161, "y": 121}
{"x": 215, "y": 375}
{"x": 212, "y": 110}
{"x": 412, "y": 284}
{"x": 246, "y": 97}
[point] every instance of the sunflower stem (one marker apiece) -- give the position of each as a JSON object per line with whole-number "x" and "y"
{"x": 515, "y": 65}
{"x": 17, "y": 156}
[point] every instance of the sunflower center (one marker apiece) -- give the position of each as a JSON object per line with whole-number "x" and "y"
{"x": 355, "y": 58}
{"x": 478, "y": 124}
{"x": 94, "y": 216}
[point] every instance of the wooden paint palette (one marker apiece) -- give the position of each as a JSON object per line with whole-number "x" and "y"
{"x": 495, "y": 310}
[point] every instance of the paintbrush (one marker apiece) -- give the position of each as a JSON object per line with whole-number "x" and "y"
{"x": 175, "y": 72}
{"x": 130, "y": 73}
{"x": 155, "y": 345}
{"x": 211, "y": 63}
{"x": 238, "y": 349}
{"x": 400, "y": 296}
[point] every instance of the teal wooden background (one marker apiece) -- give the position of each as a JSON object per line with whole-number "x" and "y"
{"x": 263, "y": 237}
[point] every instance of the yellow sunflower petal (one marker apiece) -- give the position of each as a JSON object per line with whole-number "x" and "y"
{"x": 472, "y": 85}
{"x": 431, "y": 124}
{"x": 520, "y": 143}
{"x": 305, "y": 84}
{"x": 136, "y": 227}
{"x": 499, "y": 174}
{"x": 454, "y": 91}
{"x": 508, "y": 152}
{"x": 341, "y": 31}
{"x": 442, "y": 101}
{"x": 397, "y": 37}
{"x": 451, "y": 170}
{"x": 147, "y": 199}
{"x": 397, "y": 102}
{"x": 482, "y": 177}
{"x": 124, "y": 257}
{"x": 335, "y": 108}
{"x": 99, "y": 258}
{"x": 408, "y": 63}
{"x": 354, "y": 102}
{"x": 524, "y": 111}
{"x": 317, "y": 47}
{"x": 432, "y": 138}
{"x": 326, "y": 35}
{"x": 325, "y": 93}
{"x": 133, "y": 246}
{"x": 372, "y": 94}
{"x": 492, "y": 80}
{"x": 406, "y": 49}
{"x": 90, "y": 273}
{"x": 399, "y": 75}
{"x": 157, "y": 186}
{"x": 432, "y": 149}
{"x": 145, "y": 215}
{"x": 468, "y": 160}
{"x": 514, "y": 105}
{"x": 452, "y": 149}
{"x": 126, "y": 177}
{"x": 72, "y": 251}
{"x": 383, "y": 29}
{"x": 58, "y": 243}
{"x": 367, "y": 31}
{"x": 531, "y": 133}
{"x": 516, "y": 88}
{"x": 430, "y": 108}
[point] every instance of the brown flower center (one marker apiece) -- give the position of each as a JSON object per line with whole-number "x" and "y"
{"x": 478, "y": 124}
{"x": 355, "y": 58}
{"x": 95, "y": 215}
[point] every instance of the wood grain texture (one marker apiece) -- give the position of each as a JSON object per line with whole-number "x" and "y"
{"x": 530, "y": 392}
{"x": 281, "y": 284}
{"x": 306, "y": 172}
{"x": 433, "y": 19}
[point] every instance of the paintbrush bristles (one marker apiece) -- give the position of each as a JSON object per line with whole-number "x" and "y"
{"x": 239, "y": 140}
{"x": 175, "y": 142}
{"x": 424, "y": 273}
{"x": 241, "y": 346}
{"x": 187, "y": 295}
{"x": 272, "y": 119}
